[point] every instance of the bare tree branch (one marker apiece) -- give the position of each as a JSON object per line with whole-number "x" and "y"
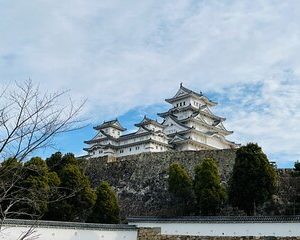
{"x": 29, "y": 120}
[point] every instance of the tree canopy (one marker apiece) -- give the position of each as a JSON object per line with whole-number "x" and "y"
{"x": 297, "y": 166}
{"x": 207, "y": 186}
{"x": 181, "y": 186}
{"x": 106, "y": 208}
{"x": 55, "y": 189}
{"x": 30, "y": 186}
{"x": 253, "y": 179}
{"x": 75, "y": 190}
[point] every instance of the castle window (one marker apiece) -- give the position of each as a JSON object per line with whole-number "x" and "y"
{"x": 183, "y": 103}
{"x": 130, "y": 149}
{"x": 137, "y": 148}
{"x": 177, "y": 105}
{"x": 180, "y": 104}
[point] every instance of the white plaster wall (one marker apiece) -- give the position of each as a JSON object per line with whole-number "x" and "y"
{"x": 99, "y": 135}
{"x": 196, "y": 137}
{"x": 188, "y": 147}
{"x": 112, "y": 132}
{"x": 226, "y": 229}
{"x": 197, "y": 102}
{"x": 135, "y": 149}
{"x": 200, "y": 128}
{"x": 186, "y": 100}
{"x": 12, "y": 233}
{"x": 208, "y": 120}
{"x": 98, "y": 153}
{"x": 161, "y": 139}
{"x": 170, "y": 130}
{"x": 173, "y": 129}
{"x": 154, "y": 127}
{"x": 156, "y": 148}
{"x": 139, "y": 148}
{"x": 183, "y": 114}
{"x": 193, "y": 101}
{"x": 217, "y": 143}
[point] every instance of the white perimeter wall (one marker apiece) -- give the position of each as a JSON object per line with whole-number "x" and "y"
{"x": 13, "y": 233}
{"x": 226, "y": 229}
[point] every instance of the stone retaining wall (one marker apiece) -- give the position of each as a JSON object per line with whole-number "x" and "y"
{"x": 141, "y": 180}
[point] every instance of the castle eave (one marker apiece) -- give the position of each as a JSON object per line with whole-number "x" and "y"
{"x": 192, "y": 108}
{"x": 205, "y": 99}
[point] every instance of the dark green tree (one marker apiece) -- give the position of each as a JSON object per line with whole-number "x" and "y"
{"x": 296, "y": 189}
{"x": 9, "y": 168}
{"x": 253, "y": 179}
{"x": 210, "y": 194}
{"x": 57, "y": 161}
{"x": 77, "y": 196}
{"x": 30, "y": 187}
{"x": 297, "y": 166}
{"x": 36, "y": 186}
{"x": 181, "y": 186}
{"x": 11, "y": 174}
{"x": 106, "y": 208}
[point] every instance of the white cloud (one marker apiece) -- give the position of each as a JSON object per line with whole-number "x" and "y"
{"x": 124, "y": 54}
{"x": 267, "y": 113}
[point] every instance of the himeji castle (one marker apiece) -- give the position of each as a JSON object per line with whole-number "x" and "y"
{"x": 188, "y": 125}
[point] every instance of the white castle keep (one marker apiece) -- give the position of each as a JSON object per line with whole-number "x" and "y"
{"x": 188, "y": 125}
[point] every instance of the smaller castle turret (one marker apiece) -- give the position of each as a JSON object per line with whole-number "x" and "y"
{"x": 112, "y": 128}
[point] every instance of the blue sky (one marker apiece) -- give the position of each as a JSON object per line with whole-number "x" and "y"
{"x": 126, "y": 57}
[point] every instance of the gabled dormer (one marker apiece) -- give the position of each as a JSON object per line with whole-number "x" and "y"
{"x": 185, "y": 97}
{"x": 112, "y": 128}
{"x": 150, "y": 124}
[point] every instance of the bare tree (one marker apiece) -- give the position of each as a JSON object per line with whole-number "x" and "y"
{"x": 29, "y": 120}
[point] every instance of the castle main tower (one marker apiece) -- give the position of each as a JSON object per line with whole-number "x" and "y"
{"x": 191, "y": 125}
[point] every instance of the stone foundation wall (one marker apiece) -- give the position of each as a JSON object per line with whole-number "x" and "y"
{"x": 154, "y": 234}
{"x": 141, "y": 180}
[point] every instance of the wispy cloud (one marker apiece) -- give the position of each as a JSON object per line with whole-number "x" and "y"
{"x": 125, "y": 54}
{"x": 267, "y": 113}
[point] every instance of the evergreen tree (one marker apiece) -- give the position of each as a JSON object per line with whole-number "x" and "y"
{"x": 253, "y": 179}
{"x": 77, "y": 196}
{"x": 207, "y": 186}
{"x": 181, "y": 186}
{"x": 11, "y": 174}
{"x": 296, "y": 190}
{"x": 9, "y": 169}
{"x": 106, "y": 209}
{"x": 297, "y": 167}
{"x": 57, "y": 161}
{"x": 31, "y": 188}
{"x": 36, "y": 186}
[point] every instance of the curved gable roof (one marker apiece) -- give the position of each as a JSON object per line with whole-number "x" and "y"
{"x": 184, "y": 92}
{"x": 113, "y": 123}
